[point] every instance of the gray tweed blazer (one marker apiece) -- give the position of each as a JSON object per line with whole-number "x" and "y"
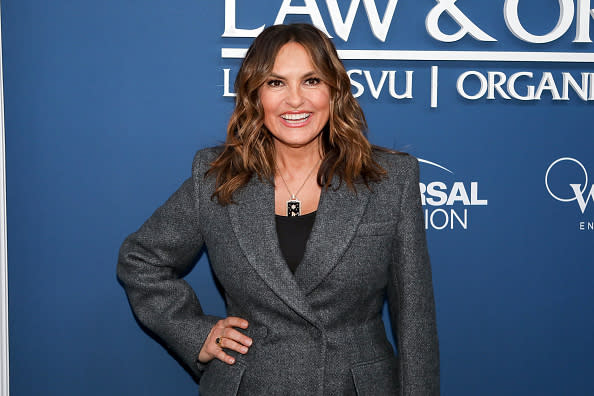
{"x": 317, "y": 332}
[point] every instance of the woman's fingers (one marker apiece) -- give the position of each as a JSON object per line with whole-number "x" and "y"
{"x": 228, "y": 343}
{"x": 238, "y": 338}
{"x": 224, "y": 336}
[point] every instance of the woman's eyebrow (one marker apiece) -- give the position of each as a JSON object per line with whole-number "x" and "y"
{"x": 306, "y": 75}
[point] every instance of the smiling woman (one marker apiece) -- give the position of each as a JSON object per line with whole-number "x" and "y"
{"x": 296, "y": 102}
{"x": 305, "y": 262}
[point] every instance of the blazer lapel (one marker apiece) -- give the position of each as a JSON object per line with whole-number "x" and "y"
{"x": 338, "y": 216}
{"x": 252, "y": 217}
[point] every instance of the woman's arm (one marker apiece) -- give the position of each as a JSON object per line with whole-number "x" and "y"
{"x": 151, "y": 264}
{"x": 410, "y": 293}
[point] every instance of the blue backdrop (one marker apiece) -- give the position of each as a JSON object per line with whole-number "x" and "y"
{"x": 107, "y": 101}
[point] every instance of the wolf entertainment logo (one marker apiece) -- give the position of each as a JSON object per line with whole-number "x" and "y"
{"x": 576, "y": 192}
{"x": 578, "y": 189}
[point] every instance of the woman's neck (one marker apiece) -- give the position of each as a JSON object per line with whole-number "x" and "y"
{"x": 295, "y": 161}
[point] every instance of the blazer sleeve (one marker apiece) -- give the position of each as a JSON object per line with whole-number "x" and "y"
{"x": 151, "y": 264}
{"x": 410, "y": 293}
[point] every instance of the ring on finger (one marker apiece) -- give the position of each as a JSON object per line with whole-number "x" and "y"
{"x": 219, "y": 341}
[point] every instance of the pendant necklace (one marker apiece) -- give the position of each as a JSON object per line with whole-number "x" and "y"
{"x": 294, "y": 204}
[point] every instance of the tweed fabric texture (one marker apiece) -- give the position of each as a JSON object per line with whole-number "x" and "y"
{"x": 318, "y": 331}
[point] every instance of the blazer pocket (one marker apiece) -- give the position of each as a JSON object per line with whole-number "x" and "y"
{"x": 221, "y": 379}
{"x": 381, "y": 228}
{"x": 376, "y": 377}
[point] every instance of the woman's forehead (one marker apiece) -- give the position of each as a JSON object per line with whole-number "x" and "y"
{"x": 294, "y": 57}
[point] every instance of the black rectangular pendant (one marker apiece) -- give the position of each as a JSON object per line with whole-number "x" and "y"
{"x": 293, "y": 207}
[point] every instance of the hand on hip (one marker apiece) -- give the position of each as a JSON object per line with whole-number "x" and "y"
{"x": 223, "y": 335}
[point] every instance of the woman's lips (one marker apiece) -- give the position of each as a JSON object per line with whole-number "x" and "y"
{"x": 295, "y": 120}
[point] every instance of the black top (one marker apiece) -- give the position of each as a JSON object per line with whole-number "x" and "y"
{"x": 293, "y": 232}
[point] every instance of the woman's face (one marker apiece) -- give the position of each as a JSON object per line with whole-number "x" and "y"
{"x": 296, "y": 102}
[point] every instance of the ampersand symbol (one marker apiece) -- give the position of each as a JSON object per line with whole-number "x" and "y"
{"x": 466, "y": 25}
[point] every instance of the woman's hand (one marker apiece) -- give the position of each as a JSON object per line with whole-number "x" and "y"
{"x": 228, "y": 338}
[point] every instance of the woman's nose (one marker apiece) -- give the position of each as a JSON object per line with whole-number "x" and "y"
{"x": 294, "y": 97}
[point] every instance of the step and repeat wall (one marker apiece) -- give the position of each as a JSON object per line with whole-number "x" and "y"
{"x": 107, "y": 101}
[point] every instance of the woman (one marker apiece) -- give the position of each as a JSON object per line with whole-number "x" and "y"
{"x": 308, "y": 228}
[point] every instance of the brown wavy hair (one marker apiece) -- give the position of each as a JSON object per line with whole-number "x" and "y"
{"x": 249, "y": 148}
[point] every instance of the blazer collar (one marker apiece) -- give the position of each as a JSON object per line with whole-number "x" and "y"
{"x": 337, "y": 218}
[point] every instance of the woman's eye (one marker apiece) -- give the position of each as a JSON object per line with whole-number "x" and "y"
{"x": 312, "y": 81}
{"x": 274, "y": 83}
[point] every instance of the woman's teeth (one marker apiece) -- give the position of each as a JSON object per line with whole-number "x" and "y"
{"x": 296, "y": 117}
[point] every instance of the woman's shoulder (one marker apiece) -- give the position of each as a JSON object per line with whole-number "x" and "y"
{"x": 205, "y": 156}
{"x": 209, "y": 152}
{"x": 395, "y": 162}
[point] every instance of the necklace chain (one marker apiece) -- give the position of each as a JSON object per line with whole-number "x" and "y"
{"x": 293, "y": 196}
